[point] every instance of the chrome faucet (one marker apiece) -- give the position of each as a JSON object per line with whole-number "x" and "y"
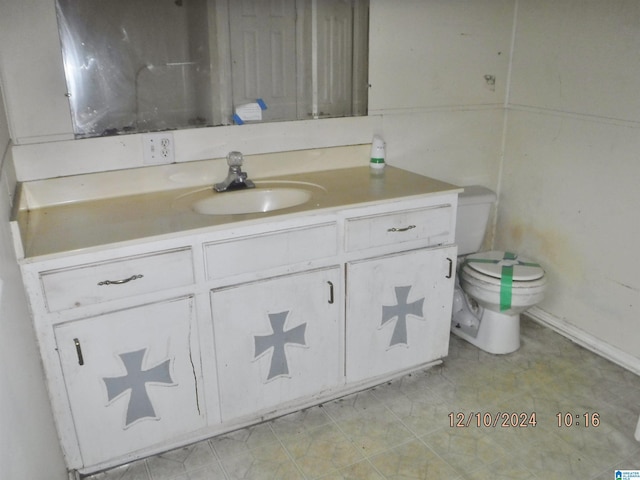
{"x": 236, "y": 178}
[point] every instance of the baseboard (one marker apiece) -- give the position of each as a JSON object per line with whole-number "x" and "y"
{"x": 585, "y": 340}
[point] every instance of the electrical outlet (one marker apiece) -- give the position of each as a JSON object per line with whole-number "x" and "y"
{"x": 158, "y": 148}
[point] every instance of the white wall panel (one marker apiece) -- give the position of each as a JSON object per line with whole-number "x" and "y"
{"x": 578, "y": 56}
{"x": 436, "y": 53}
{"x": 570, "y": 199}
{"x": 569, "y": 192}
{"x": 461, "y": 147}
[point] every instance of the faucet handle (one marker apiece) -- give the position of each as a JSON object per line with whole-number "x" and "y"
{"x": 235, "y": 159}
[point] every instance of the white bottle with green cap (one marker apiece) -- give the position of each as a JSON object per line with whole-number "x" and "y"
{"x": 377, "y": 153}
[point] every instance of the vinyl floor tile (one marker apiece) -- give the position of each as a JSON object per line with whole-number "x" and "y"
{"x": 413, "y": 460}
{"x": 363, "y": 470}
{"x": 322, "y": 451}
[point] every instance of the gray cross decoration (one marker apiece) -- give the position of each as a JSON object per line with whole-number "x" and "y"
{"x": 135, "y": 380}
{"x": 277, "y": 341}
{"x": 401, "y": 310}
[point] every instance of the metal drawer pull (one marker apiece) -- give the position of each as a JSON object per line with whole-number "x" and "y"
{"x": 120, "y": 282}
{"x": 401, "y": 229}
{"x": 79, "y": 351}
{"x": 330, "y": 292}
{"x": 450, "y": 268}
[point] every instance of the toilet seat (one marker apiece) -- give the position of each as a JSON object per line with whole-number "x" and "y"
{"x": 504, "y": 276}
{"x": 487, "y": 282}
{"x": 492, "y": 264}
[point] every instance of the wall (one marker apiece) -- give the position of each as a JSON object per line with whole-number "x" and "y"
{"x": 428, "y": 61}
{"x": 28, "y": 442}
{"x": 569, "y": 195}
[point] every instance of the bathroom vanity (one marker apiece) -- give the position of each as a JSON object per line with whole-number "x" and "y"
{"x": 159, "y": 326}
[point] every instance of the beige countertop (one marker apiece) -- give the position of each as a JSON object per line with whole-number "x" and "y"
{"x": 79, "y": 225}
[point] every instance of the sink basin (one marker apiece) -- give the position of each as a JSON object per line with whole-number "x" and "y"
{"x": 266, "y": 197}
{"x": 252, "y": 201}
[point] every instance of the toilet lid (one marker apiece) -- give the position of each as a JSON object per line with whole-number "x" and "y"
{"x": 492, "y": 263}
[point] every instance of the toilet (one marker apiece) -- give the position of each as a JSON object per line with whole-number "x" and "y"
{"x": 492, "y": 288}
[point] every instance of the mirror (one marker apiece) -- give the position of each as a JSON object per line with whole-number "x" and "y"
{"x": 149, "y": 65}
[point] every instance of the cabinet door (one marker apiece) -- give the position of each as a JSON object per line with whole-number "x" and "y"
{"x": 398, "y": 311}
{"x": 277, "y": 340}
{"x": 132, "y": 377}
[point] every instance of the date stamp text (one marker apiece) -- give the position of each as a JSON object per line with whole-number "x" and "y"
{"x": 492, "y": 420}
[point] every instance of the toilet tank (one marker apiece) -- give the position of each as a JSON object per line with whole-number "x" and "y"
{"x": 474, "y": 207}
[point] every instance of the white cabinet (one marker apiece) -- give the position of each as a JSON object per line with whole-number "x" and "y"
{"x": 278, "y": 340}
{"x": 161, "y": 342}
{"x": 398, "y": 311}
{"x": 132, "y": 377}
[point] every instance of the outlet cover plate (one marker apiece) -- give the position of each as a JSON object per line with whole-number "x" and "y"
{"x": 157, "y": 148}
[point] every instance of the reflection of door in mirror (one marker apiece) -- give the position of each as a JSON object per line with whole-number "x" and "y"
{"x": 263, "y": 55}
{"x": 148, "y": 65}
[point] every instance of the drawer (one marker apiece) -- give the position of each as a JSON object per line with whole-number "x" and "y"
{"x": 431, "y": 225}
{"x": 119, "y": 278}
{"x": 270, "y": 250}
